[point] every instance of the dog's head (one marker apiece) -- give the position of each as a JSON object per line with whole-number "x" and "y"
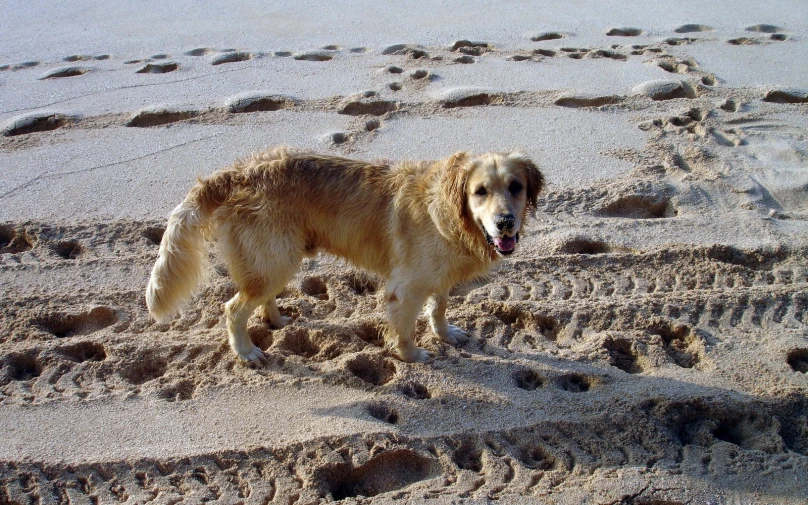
{"x": 492, "y": 193}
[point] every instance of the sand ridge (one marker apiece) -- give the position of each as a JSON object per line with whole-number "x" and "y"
{"x": 647, "y": 344}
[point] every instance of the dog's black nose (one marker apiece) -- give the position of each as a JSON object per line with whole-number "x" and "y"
{"x": 505, "y": 222}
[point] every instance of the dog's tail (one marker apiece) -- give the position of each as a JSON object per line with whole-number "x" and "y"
{"x": 181, "y": 261}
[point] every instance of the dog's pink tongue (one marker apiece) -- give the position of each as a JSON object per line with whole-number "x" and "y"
{"x": 505, "y": 243}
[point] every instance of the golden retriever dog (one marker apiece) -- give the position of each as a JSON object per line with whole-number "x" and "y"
{"x": 423, "y": 226}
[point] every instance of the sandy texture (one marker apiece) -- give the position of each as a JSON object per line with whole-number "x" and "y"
{"x": 647, "y": 344}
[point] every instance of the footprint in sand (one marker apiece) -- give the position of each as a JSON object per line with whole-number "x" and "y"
{"x": 545, "y": 52}
{"x": 470, "y": 48}
{"x": 798, "y": 360}
{"x": 158, "y": 68}
{"x": 60, "y": 72}
{"x": 763, "y": 28}
{"x": 159, "y": 115}
{"x": 34, "y": 122}
{"x": 231, "y": 57}
{"x": 786, "y": 95}
{"x": 693, "y": 28}
{"x": 13, "y": 241}
{"x": 84, "y": 57}
{"x": 62, "y": 325}
{"x": 578, "y": 101}
{"x": 314, "y": 56}
{"x": 539, "y": 37}
{"x": 200, "y": 51}
{"x": 258, "y": 101}
{"x": 410, "y": 51}
{"x": 20, "y": 66}
{"x": 624, "y": 32}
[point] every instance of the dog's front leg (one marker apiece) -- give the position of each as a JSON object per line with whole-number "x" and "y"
{"x": 404, "y": 303}
{"x": 440, "y": 326}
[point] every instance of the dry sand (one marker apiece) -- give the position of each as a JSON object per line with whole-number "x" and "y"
{"x": 648, "y": 343}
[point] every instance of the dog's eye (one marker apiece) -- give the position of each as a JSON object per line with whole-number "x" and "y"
{"x": 515, "y": 188}
{"x": 481, "y": 191}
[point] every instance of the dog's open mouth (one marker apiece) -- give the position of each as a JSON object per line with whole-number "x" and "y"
{"x": 503, "y": 245}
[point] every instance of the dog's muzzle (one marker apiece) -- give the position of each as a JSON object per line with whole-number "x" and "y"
{"x": 503, "y": 245}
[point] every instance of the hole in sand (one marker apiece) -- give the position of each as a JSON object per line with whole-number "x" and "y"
{"x": 545, "y": 52}
{"x": 575, "y": 383}
{"x": 583, "y": 245}
{"x": 536, "y": 458}
{"x": 69, "y": 325}
{"x": 154, "y": 234}
{"x": 145, "y": 370}
{"x": 464, "y": 59}
{"x": 527, "y": 379}
{"x": 415, "y": 390}
{"x": 546, "y": 36}
{"x": 13, "y": 241}
{"x": 58, "y": 73}
{"x": 373, "y": 108}
{"x": 622, "y": 355}
{"x": 371, "y": 332}
{"x": 199, "y": 51}
{"x": 33, "y": 123}
{"x": 468, "y": 457}
{"x": 624, "y": 32}
{"x": 315, "y": 287}
{"x": 83, "y": 351}
{"x": 159, "y": 117}
{"x": 181, "y": 391}
{"x": 639, "y": 207}
{"x": 763, "y": 28}
{"x": 383, "y": 473}
{"x": 231, "y": 57}
{"x": 362, "y": 283}
{"x": 473, "y": 100}
{"x": 68, "y": 249}
{"x": 693, "y": 28}
{"x": 798, "y": 360}
{"x": 23, "y": 367}
{"x": 373, "y": 370}
{"x": 297, "y": 341}
{"x": 383, "y": 412}
{"x": 679, "y": 341}
{"x": 157, "y": 68}
{"x": 587, "y": 101}
{"x": 786, "y": 96}
{"x": 313, "y": 57}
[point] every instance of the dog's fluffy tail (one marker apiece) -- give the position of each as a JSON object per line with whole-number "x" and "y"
{"x": 181, "y": 261}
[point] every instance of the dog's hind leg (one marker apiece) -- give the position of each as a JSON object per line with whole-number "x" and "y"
{"x": 261, "y": 267}
{"x": 238, "y": 311}
{"x": 269, "y": 312}
{"x": 440, "y": 326}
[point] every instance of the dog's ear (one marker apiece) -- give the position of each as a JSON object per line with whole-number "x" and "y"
{"x": 453, "y": 184}
{"x": 535, "y": 179}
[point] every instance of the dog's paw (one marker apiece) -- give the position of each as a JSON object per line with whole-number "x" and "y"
{"x": 255, "y": 357}
{"x": 454, "y": 335}
{"x": 414, "y": 354}
{"x": 282, "y": 322}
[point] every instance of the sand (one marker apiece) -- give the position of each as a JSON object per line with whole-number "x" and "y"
{"x": 647, "y": 344}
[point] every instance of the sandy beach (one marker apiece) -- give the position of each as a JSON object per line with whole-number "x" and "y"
{"x": 646, "y": 344}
